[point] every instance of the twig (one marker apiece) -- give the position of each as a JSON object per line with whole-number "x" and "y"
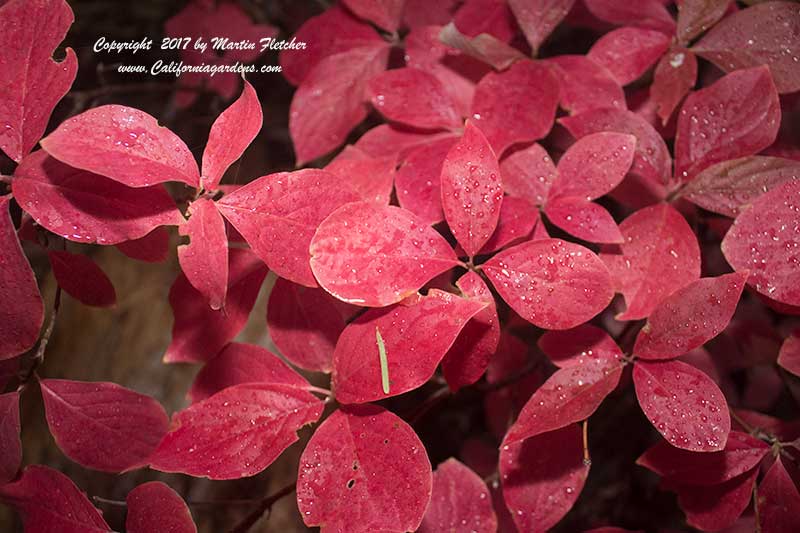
{"x": 192, "y": 503}
{"x": 587, "y": 460}
{"x": 265, "y": 506}
{"x": 38, "y": 358}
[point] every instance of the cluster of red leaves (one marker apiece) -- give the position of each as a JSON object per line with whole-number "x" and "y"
{"x": 424, "y": 245}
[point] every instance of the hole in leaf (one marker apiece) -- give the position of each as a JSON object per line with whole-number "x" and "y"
{"x": 351, "y": 483}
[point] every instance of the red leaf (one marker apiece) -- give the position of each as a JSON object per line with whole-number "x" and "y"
{"x": 674, "y": 77}
{"x": 279, "y": 213}
{"x": 516, "y": 222}
{"x": 420, "y": 13}
{"x": 551, "y": 283}
{"x": 372, "y": 178}
{"x": 483, "y": 46}
{"x": 385, "y": 14}
{"x": 413, "y": 97}
{"x": 81, "y": 278}
{"x": 87, "y": 208}
{"x": 19, "y": 323}
{"x": 717, "y": 507}
{"x": 469, "y": 356}
{"x": 728, "y": 187}
{"x": 393, "y": 140}
{"x": 241, "y": 363}
{"x": 643, "y": 14}
{"x": 152, "y": 248}
{"x": 304, "y": 324}
{"x": 418, "y": 180}
{"x": 49, "y": 501}
{"x": 539, "y": 18}
{"x": 778, "y": 501}
{"x": 628, "y": 52}
{"x": 737, "y": 116}
{"x": 491, "y": 17}
{"x": 331, "y": 100}
{"x": 695, "y": 16}
{"x": 367, "y": 369}
{"x": 759, "y": 35}
{"x": 124, "y": 144}
{"x": 586, "y": 220}
{"x": 586, "y": 85}
{"x": 742, "y": 453}
{"x": 352, "y": 468}
{"x": 659, "y": 256}
{"x": 580, "y": 346}
{"x": 789, "y": 356}
{"x": 459, "y": 501}
{"x": 332, "y": 32}
{"x": 10, "y": 444}
{"x": 376, "y": 255}
{"x": 258, "y": 422}
{"x": 32, "y": 82}
{"x": 690, "y": 317}
{"x": 200, "y": 332}
{"x": 594, "y": 165}
{"x": 204, "y": 260}
{"x": 542, "y": 477}
{"x": 517, "y": 105}
{"x": 764, "y": 239}
{"x": 230, "y": 135}
{"x": 101, "y": 425}
{"x": 683, "y": 404}
{"x": 570, "y": 395}
{"x": 651, "y": 158}
{"x": 472, "y": 190}
{"x": 154, "y": 507}
{"x": 528, "y": 174}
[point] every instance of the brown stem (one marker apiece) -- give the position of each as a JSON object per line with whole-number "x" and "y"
{"x": 265, "y": 506}
{"x": 38, "y": 357}
{"x": 191, "y": 503}
{"x": 587, "y": 459}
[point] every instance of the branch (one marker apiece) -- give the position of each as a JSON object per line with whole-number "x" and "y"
{"x": 38, "y": 358}
{"x": 265, "y": 506}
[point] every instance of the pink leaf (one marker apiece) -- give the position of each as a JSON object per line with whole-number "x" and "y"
{"x": 230, "y": 135}
{"x": 472, "y": 190}
{"x": 651, "y": 158}
{"x": 152, "y": 248}
{"x": 19, "y": 323}
{"x": 659, "y": 256}
{"x": 82, "y": 278}
{"x": 674, "y": 77}
{"x": 154, "y": 507}
{"x": 32, "y": 82}
{"x": 483, "y": 46}
{"x": 353, "y": 470}
{"x": 393, "y": 140}
{"x": 258, "y": 421}
{"x": 628, "y": 52}
{"x": 199, "y": 332}
{"x": 376, "y": 255}
{"x": 10, "y": 444}
{"x": 516, "y": 222}
{"x": 683, "y": 404}
{"x": 539, "y": 18}
{"x": 204, "y": 260}
{"x": 332, "y": 32}
{"x": 551, "y": 283}
{"x": 594, "y": 165}
{"x": 542, "y": 477}
{"x": 717, "y": 507}
{"x": 586, "y": 85}
{"x": 331, "y": 100}
{"x": 87, "y": 208}
{"x": 778, "y": 501}
{"x": 586, "y": 220}
{"x": 580, "y": 346}
{"x": 459, "y": 500}
{"x": 789, "y": 356}
{"x": 385, "y": 14}
{"x": 737, "y": 116}
{"x": 528, "y": 174}
{"x": 759, "y": 35}
{"x": 101, "y": 425}
{"x": 367, "y": 369}
{"x": 372, "y": 178}
{"x": 413, "y": 97}
{"x": 731, "y": 186}
{"x": 695, "y": 16}
{"x": 764, "y": 239}
{"x": 690, "y": 317}
{"x": 49, "y": 501}
{"x": 643, "y": 14}
{"x": 304, "y": 324}
{"x": 491, "y": 17}
{"x": 741, "y": 454}
{"x": 517, "y": 105}
{"x": 278, "y": 214}
{"x": 420, "y": 13}
{"x": 243, "y": 363}
{"x": 124, "y": 144}
{"x": 418, "y": 180}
